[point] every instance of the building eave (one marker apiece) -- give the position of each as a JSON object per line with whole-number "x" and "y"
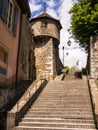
{"x": 24, "y": 5}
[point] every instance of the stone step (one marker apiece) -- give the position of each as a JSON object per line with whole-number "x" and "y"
{"x": 66, "y": 95}
{"x": 66, "y": 88}
{"x": 73, "y": 107}
{"x": 59, "y": 112}
{"x": 62, "y": 105}
{"x": 47, "y": 91}
{"x": 76, "y": 87}
{"x": 64, "y": 101}
{"x": 65, "y": 116}
{"x": 62, "y": 125}
{"x": 59, "y": 109}
{"x": 48, "y": 128}
{"x": 56, "y": 120}
{"x": 65, "y": 104}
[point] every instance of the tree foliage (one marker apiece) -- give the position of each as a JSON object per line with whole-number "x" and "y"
{"x": 84, "y": 21}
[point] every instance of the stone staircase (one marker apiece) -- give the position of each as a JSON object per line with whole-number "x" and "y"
{"x": 62, "y": 105}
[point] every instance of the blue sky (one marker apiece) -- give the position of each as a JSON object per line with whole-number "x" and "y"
{"x": 59, "y": 10}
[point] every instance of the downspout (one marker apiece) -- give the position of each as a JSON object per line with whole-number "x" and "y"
{"x": 17, "y": 60}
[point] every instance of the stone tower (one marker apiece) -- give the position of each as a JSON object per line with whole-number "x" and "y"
{"x": 46, "y": 31}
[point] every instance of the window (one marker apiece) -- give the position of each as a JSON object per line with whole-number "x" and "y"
{"x": 3, "y": 60}
{"x": 44, "y": 25}
{"x": 9, "y": 14}
{"x": 3, "y": 56}
{"x": 4, "y": 5}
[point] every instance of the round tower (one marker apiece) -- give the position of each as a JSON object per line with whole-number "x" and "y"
{"x": 46, "y": 32}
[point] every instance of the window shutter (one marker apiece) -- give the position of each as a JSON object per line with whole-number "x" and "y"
{"x": 15, "y": 17}
{"x": 15, "y": 20}
{"x": 0, "y": 5}
{"x": 9, "y": 15}
{"x": 4, "y": 9}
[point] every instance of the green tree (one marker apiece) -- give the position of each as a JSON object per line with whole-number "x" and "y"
{"x": 84, "y": 21}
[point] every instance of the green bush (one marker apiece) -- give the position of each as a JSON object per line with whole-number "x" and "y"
{"x": 66, "y": 67}
{"x": 73, "y": 68}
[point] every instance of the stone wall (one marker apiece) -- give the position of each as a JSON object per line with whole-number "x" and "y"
{"x": 53, "y": 29}
{"x": 44, "y": 58}
{"x": 93, "y": 57}
{"x": 94, "y": 94}
{"x": 47, "y": 58}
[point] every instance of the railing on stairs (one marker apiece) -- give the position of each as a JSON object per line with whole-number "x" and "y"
{"x": 14, "y": 116}
{"x": 92, "y": 103}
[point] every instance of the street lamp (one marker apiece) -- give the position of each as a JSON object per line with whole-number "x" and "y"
{"x": 69, "y": 43}
{"x": 63, "y": 54}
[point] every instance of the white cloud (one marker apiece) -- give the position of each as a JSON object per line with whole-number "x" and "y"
{"x": 33, "y": 6}
{"x": 50, "y": 8}
{"x": 51, "y": 3}
{"x": 65, "y": 19}
{"x": 51, "y": 11}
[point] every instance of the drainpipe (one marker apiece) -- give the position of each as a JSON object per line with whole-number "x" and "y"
{"x": 17, "y": 60}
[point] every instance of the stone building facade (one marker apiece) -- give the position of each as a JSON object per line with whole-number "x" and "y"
{"x": 11, "y": 12}
{"x": 46, "y": 31}
{"x": 93, "y": 57}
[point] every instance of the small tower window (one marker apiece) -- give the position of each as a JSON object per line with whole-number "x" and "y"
{"x": 44, "y": 25}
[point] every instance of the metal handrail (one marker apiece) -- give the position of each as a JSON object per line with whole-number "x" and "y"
{"x": 87, "y": 74}
{"x": 91, "y": 96}
{"x": 19, "y": 102}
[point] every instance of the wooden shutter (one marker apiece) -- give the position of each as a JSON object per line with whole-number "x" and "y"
{"x": 9, "y": 19}
{"x": 15, "y": 20}
{"x": 0, "y": 5}
{"x": 4, "y": 9}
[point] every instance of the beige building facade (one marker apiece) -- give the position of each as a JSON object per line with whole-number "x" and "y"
{"x": 10, "y": 24}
